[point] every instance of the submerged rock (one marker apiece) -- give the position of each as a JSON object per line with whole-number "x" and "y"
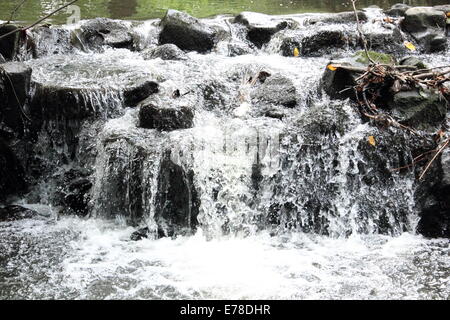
{"x": 187, "y": 32}
{"x": 73, "y": 191}
{"x": 15, "y": 80}
{"x": 260, "y": 27}
{"x": 165, "y": 52}
{"x": 427, "y": 26}
{"x": 177, "y": 202}
{"x": 13, "y": 213}
{"x": 165, "y": 118}
{"x": 9, "y": 46}
{"x": 140, "y": 234}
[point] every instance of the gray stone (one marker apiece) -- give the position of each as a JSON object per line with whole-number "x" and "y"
{"x": 9, "y": 46}
{"x": 165, "y": 52}
{"x": 427, "y": 26}
{"x": 13, "y": 213}
{"x": 339, "y": 18}
{"x": 413, "y": 61}
{"x": 137, "y": 92}
{"x": 322, "y": 42}
{"x": 276, "y": 90}
{"x": 420, "y": 109}
{"x": 102, "y": 31}
{"x": 398, "y": 10}
{"x": 187, "y": 32}
{"x": 12, "y": 176}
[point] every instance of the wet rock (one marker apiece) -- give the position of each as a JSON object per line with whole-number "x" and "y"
{"x": 260, "y": 27}
{"x": 134, "y": 94}
{"x": 9, "y": 46}
{"x": 322, "y": 42}
{"x": 187, "y": 32}
{"x": 51, "y": 40}
{"x": 165, "y": 52}
{"x": 445, "y": 162}
{"x": 413, "y": 61}
{"x": 12, "y": 175}
{"x": 177, "y": 202}
{"x": 419, "y": 108}
{"x": 102, "y": 31}
{"x": 15, "y": 80}
{"x": 276, "y": 90}
{"x": 398, "y": 10}
{"x": 165, "y": 118}
{"x": 390, "y": 42}
{"x": 13, "y": 213}
{"x": 73, "y": 192}
{"x": 338, "y": 83}
{"x": 2, "y": 59}
{"x": 339, "y": 18}
{"x": 427, "y": 26}
{"x": 140, "y": 234}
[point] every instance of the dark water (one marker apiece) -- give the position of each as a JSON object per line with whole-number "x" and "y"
{"x": 147, "y": 9}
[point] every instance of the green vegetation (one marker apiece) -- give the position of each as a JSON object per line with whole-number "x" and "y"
{"x": 378, "y": 57}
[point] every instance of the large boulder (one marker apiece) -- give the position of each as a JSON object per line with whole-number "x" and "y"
{"x": 177, "y": 202}
{"x": 419, "y": 108}
{"x": 12, "y": 176}
{"x": 325, "y": 41}
{"x": 165, "y": 52}
{"x": 50, "y": 40}
{"x": 165, "y": 118}
{"x": 73, "y": 191}
{"x": 427, "y": 26}
{"x": 260, "y": 27}
{"x": 15, "y": 80}
{"x": 276, "y": 90}
{"x": 102, "y": 31}
{"x": 135, "y": 93}
{"x": 9, "y": 46}
{"x": 187, "y": 32}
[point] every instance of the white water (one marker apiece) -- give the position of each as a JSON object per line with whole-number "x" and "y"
{"x": 93, "y": 259}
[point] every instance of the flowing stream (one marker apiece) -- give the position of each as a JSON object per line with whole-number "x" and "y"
{"x": 285, "y": 211}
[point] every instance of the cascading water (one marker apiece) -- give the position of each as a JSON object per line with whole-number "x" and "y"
{"x": 272, "y": 201}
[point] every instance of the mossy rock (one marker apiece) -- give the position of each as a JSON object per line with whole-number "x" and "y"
{"x": 378, "y": 57}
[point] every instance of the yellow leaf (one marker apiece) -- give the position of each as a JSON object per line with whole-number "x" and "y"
{"x": 296, "y": 52}
{"x": 410, "y": 46}
{"x": 372, "y": 141}
{"x": 448, "y": 14}
{"x": 331, "y": 67}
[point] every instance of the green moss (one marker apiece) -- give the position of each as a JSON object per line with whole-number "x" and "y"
{"x": 378, "y": 57}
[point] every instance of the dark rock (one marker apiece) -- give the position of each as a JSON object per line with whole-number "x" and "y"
{"x": 388, "y": 42}
{"x": 165, "y": 52}
{"x": 140, "y": 234}
{"x": 177, "y": 202}
{"x": 276, "y": 90}
{"x": 260, "y": 27}
{"x": 398, "y": 10}
{"x": 15, "y": 80}
{"x": 139, "y": 91}
{"x": 73, "y": 192}
{"x": 322, "y": 42}
{"x": 165, "y": 118}
{"x": 12, "y": 175}
{"x": 13, "y": 213}
{"x": 413, "y": 61}
{"x": 419, "y": 108}
{"x": 339, "y": 18}
{"x": 187, "y": 32}
{"x": 9, "y": 46}
{"x": 2, "y": 59}
{"x": 102, "y": 31}
{"x": 427, "y": 26}
{"x": 445, "y": 162}
{"x": 338, "y": 83}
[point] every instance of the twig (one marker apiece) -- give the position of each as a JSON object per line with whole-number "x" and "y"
{"x": 37, "y": 22}
{"x": 358, "y": 27}
{"x": 445, "y": 145}
{"x": 13, "y": 13}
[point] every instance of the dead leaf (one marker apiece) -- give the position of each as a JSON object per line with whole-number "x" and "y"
{"x": 410, "y": 46}
{"x": 372, "y": 141}
{"x": 331, "y": 67}
{"x": 296, "y": 52}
